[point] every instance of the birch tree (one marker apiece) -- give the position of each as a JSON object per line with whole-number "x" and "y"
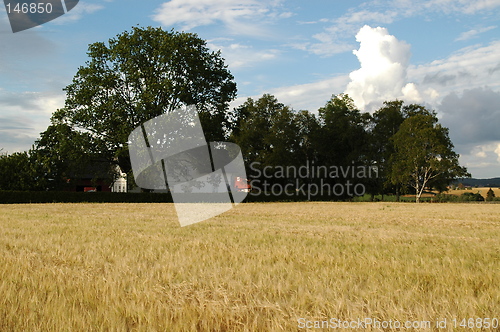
{"x": 423, "y": 154}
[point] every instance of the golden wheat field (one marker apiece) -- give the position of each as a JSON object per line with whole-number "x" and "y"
{"x": 481, "y": 190}
{"x": 258, "y": 267}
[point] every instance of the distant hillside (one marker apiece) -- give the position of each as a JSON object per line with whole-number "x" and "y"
{"x": 494, "y": 182}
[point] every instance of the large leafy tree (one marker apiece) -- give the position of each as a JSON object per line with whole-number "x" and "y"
{"x": 342, "y": 138}
{"x": 139, "y": 75}
{"x": 66, "y": 153}
{"x": 423, "y": 152}
{"x": 261, "y": 129}
{"x": 308, "y": 129}
{"x": 15, "y": 171}
{"x": 60, "y": 154}
{"x": 385, "y": 123}
{"x": 270, "y": 133}
{"x": 25, "y": 171}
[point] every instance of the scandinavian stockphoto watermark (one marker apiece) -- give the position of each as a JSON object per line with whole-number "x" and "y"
{"x": 169, "y": 152}
{"x": 26, "y": 14}
{"x": 311, "y": 180}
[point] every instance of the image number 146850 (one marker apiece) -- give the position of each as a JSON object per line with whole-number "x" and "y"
{"x": 32, "y": 8}
{"x": 27, "y": 14}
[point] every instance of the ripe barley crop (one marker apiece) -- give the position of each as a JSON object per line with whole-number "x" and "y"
{"x": 258, "y": 267}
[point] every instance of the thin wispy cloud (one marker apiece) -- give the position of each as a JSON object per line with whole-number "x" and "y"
{"x": 238, "y": 55}
{"x": 476, "y": 64}
{"x": 76, "y": 14}
{"x": 244, "y": 17}
{"x": 24, "y": 116}
{"x": 345, "y": 27}
{"x": 473, "y": 33}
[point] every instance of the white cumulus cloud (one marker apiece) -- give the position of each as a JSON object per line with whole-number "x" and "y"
{"x": 497, "y": 151}
{"x": 383, "y": 68}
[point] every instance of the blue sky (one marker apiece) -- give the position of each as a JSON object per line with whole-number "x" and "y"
{"x": 442, "y": 53}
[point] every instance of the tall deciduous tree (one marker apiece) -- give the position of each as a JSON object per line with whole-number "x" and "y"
{"x": 15, "y": 172}
{"x": 139, "y": 75}
{"x": 308, "y": 130}
{"x": 385, "y": 123}
{"x": 266, "y": 130}
{"x": 342, "y": 138}
{"x": 25, "y": 171}
{"x": 67, "y": 153}
{"x": 423, "y": 152}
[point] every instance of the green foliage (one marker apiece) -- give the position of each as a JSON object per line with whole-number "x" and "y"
{"x": 423, "y": 152}
{"x": 134, "y": 77}
{"x": 271, "y": 133}
{"x": 146, "y": 72}
{"x": 385, "y": 123}
{"x": 141, "y": 74}
{"x": 411, "y": 150}
{"x": 490, "y": 195}
{"x": 342, "y": 138}
{"x": 465, "y": 197}
{"x": 25, "y": 171}
{"x": 15, "y": 171}
{"x": 472, "y": 197}
{"x": 266, "y": 132}
{"x": 17, "y": 197}
{"x": 66, "y": 152}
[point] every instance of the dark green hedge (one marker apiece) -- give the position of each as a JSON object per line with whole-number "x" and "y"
{"x": 465, "y": 197}
{"x": 14, "y": 197}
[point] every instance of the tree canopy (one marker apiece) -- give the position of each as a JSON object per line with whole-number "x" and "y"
{"x": 423, "y": 153}
{"x": 406, "y": 144}
{"x": 139, "y": 75}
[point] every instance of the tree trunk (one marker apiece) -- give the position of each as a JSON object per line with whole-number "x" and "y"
{"x": 418, "y": 192}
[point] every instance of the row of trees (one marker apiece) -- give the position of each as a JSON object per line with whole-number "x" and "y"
{"x": 409, "y": 148}
{"x": 145, "y": 72}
